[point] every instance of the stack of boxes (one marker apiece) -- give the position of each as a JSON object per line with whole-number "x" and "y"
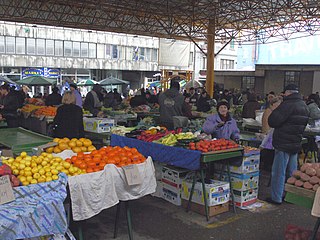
{"x": 244, "y": 179}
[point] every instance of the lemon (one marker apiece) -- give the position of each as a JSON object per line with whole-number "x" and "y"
{"x": 21, "y": 172}
{"x": 42, "y": 171}
{"x": 22, "y": 166}
{"x": 28, "y": 173}
{"x": 65, "y": 171}
{"x": 34, "y": 165}
{"x": 35, "y": 170}
{"x": 29, "y": 178}
{"x": 18, "y": 159}
{"x": 47, "y": 169}
{"x": 41, "y": 179}
{"x": 33, "y": 181}
{"x": 38, "y": 160}
{"x": 28, "y": 163}
{"x": 66, "y": 165}
{"x": 54, "y": 171}
{"x": 22, "y": 178}
{"x": 55, "y": 177}
{"x": 27, "y": 168}
{"x": 23, "y": 154}
{"x": 25, "y": 183}
{"x": 36, "y": 176}
{"x": 13, "y": 167}
{"x": 71, "y": 170}
{"x": 15, "y": 171}
{"x": 23, "y": 161}
{"x": 48, "y": 174}
{"x": 10, "y": 160}
{"x": 44, "y": 154}
{"x": 48, "y": 179}
{"x": 44, "y": 163}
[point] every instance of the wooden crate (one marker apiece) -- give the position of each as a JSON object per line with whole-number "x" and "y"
{"x": 214, "y": 210}
{"x": 299, "y": 196}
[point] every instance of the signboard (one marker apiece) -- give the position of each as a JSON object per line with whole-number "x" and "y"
{"x": 132, "y": 174}
{"x": 6, "y": 192}
{"x": 45, "y": 72}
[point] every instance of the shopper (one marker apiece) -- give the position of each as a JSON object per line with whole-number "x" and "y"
{"x": 193, "y": 97}
{"x": 68, "y": 121}
{"x": 203, "y": 102}
{"x": 117, "y": 97}
{"x": 221, "y": 124}
{"x": 9, "y": 107}
{"x": 250, "y": 107}
{"x": 94, "y": 100}
{"x": 54, "y": 98}
{"x": 289, "y": 121}
{"x": 274, "y": 102}
{"x": 313, "y": 108}
{"x": 171, "y": 104}
{"x": 74, "y": 90}
{"x": 151, "y": 99}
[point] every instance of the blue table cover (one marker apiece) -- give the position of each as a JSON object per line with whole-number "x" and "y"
{"x": 37, "y": 211}
{"x": 179, "y": 157}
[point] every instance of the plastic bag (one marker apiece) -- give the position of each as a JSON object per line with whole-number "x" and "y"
{"x": 267, "y": 141}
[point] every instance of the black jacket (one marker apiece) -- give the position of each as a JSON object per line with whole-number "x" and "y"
{"x": 68, "y": 122}
{"x": 53, "y": 99}
{"x": 10, "y": 105}
{"x": 289, "y": 121}
{"x": 203, "y": 104}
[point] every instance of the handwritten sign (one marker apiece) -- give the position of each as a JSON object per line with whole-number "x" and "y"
{"x": 132, "y": 174}
{"x": 6, "y": 192}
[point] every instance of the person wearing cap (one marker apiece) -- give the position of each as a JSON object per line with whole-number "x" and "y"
{"x": 289, "y": 120}
{"x": 313, "y": 108}
{"x": 221, "y": 124}
{"x": 94, "y": 100}
{"x": 54, "y": 98}
{"x": 74, "y": 90}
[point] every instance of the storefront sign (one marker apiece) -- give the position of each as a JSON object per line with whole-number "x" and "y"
{"x": 6, "y": 192}
{"x": 46, "y": 72}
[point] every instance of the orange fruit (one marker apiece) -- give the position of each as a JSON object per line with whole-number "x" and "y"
{"x": 83, "y": 149}
{"x": 63, "y": 146}
{"x": 49, "y": 150}
{"x": 79, "y": 143}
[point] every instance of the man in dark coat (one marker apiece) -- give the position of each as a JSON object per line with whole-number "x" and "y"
{"x": 54, "y": 98}
{"x": 289, "y": 121}
{"x": 9, "y": 106}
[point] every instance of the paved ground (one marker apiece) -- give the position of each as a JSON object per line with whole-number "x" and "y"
{"x": 156, "y": 219}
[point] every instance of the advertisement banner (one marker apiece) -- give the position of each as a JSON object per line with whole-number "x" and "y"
{"x": 46, "y": 72}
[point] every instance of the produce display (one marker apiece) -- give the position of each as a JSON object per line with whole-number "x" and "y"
{"x": 172, "y": 139}
{"x": 6, "y": 170}
{"x": 74, "y": 144}
{"x": 212, "y": 145}
{"x": 46, "y": 111}
{"x": 250, "y": 150}
{"x": 35, "y": 101}
{"x": 28, "y": 108}
{"x": 38, "y": 169}
{"x": 97, "y": 159}
{"x": 307, "y": 177}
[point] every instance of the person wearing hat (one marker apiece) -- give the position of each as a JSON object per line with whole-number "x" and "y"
{"x": 221, "y": 124}
{"x": 74, "y": 90}
{"x": 54, "y": 98}
{"x": 289, "y": 120}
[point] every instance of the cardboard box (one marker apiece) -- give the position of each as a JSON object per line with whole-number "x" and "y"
{"x": 98, "y": 125}
{"x": 173, "y": 175}
{"x": 240, "y": 182}
{"x": 249, "y": 164}
{"x": 213, "y": 210}
{"x": 172, "y": 195}
{"x": 245, "y": 198}
{"x": 217, "y": 192}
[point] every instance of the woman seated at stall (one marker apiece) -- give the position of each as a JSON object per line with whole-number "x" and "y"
{"x": 68, "y": 121}
{"x": 221, "y": 124}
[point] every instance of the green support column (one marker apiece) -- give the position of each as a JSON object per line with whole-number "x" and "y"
{"x": 210, "y": 57}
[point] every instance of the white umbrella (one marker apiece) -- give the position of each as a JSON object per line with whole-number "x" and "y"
{"x": 193, "y": 83}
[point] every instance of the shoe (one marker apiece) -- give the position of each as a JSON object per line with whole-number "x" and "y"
{"x": 269, "y": 200}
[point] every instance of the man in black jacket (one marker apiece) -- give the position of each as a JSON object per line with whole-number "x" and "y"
{"x": 9, "y": 106}
{"x": 289, "y": 121}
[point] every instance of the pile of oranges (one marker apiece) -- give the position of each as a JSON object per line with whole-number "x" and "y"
{"x": 97, "y": 159}
{"x": 74, "y": 144}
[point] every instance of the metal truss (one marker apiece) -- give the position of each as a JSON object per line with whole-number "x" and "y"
{"x": 244, "y": 21}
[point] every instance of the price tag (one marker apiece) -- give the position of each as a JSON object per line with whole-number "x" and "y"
{"x": 6, "y": 192}
{"x": 132, "y": 174}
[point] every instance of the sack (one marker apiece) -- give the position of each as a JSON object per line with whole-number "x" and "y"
{"x": 267, "y": 141}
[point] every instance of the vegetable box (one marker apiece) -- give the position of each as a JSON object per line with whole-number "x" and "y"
{"x": 98, "y": 125}
{"x": 240, "y": 182}
{"x": 245, "y": 198}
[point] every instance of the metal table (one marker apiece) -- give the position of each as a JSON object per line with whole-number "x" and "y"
{"x": 20, "y": 139}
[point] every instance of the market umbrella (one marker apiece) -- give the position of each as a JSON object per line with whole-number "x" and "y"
{"x": 113, "y": 81}
{"x": 87, "y": 82}
{"x": 193, "y": 83}
{"x": 6, "y": 80}
{"x": 155, "y": 84}
{"x": 37, "y": 81}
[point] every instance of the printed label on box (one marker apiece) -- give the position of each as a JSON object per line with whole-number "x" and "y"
{"x": 240, "y": 182}
{"x": 171, "y": 196}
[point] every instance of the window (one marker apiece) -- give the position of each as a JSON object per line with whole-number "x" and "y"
{"x": 226, "y": 64}
{"x": 20, "y": 45}
{"x": 141, "y": 53}
{"x": 92, "y": 50}
{"x": 248, "y": 82}
{"x": 154, "y": 57}
{"x": 67, "y": 49}
{"x": 2, "y": 45}
{"x": 58, "y": 48}
{"x": 148, "y": 54}
{"x": 76, "y": 49}
{"x": 31, "y": 46}
{"x": 10, "y": 45}
{"x": 41, "y": 43}
{"x": 50, "y": 47}
{"x": 292, "y": 78}
{"x": 135, "y": 53}
{"x": 190, "y": 58}
{"x": 108, "y": 51}
{"x": 84, "y": 49}
{"x": 114, "y": 51}
{"x": 204, "y": 63}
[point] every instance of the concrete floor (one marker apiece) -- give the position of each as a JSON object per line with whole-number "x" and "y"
{"x": 156, "y": 219}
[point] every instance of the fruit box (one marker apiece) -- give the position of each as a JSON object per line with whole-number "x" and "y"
{"x": 249, "y": 164}
{"x": 217, "y": 192}
{"x": 212, "y": 210}
{"x": 240, "y": 182}
{"x": 245, "y": 198}
{"x": 173, "y": 175}
{"x": 98, "y": 125}
{"x": 171, "y": 194}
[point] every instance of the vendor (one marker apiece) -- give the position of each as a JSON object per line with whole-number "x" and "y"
{"x": 314, "y": 111}
{"x": 221, "y": 124}
{"x": 94, "y": 100}
{"x": 54, "y": 98}
{"x": 68, "y": 121}
{"x": 9, "y": 106}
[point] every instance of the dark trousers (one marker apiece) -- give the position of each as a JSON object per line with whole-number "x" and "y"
{"x": 266, "y": 159}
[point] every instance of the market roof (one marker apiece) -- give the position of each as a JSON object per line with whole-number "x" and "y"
{"x": 180, "y": 19}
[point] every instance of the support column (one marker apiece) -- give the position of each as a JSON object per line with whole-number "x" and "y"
{"x": 210, "y": 57}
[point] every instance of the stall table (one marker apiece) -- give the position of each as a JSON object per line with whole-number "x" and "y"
{"x": 180, "y": 157}
{"x": 20, "y": 139}
{"x": 36, "y": 124}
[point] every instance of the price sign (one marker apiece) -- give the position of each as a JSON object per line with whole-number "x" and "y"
{"x": 6, "y": 192}
{"x": 132, "y": 174}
